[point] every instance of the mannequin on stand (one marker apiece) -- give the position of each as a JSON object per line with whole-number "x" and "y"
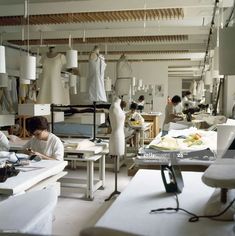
{"x": 51, "y": 86}
{"x": 95, "y": 80}
{"x": 117, "y": 137}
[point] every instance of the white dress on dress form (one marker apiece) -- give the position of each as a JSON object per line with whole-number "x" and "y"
{"x": 51, "y": 86}
{"x": 95, "y": 80}
{"x": 124, "y": 76}
{"x": 117, "y": 137}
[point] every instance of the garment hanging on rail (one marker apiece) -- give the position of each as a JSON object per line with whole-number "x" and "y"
{"x": 95, "y": 80}
{"x": 51, "y": 86}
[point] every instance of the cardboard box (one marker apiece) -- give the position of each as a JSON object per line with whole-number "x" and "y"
{"x": 34, "y": 109}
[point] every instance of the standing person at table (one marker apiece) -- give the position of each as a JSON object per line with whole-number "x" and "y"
{"x": 44, "y": 144}
{"x": 170, "y": 113}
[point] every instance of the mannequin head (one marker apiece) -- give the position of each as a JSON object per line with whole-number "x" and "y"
{"x": 123, "y": 57}
{"x": 96, "y": 49}
{"x": 51, "y": 52}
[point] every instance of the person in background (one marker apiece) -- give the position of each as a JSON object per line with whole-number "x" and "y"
{"x": 4, "y": 142}
{"x": 134, "y": 118}
{"x": 168, "y": 99}
{"x": 140, "y": 103}
{"x": 170, "y": 113}
{"x": 44, "y": 144}
{"x": 133, "y": 115}
{"x": 123, "y": 105}
{"x": 186, "y": 101}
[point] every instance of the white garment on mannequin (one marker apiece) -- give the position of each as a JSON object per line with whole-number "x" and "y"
{"x": 95, "y": 80}
{"x": 124, "y": 79}
{"x": 123, "y": 68}
{"x": 117, "y": 137}
{"x": 51, "y": 86}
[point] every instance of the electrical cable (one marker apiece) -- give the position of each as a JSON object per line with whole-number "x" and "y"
{"x": 194, "y": 217}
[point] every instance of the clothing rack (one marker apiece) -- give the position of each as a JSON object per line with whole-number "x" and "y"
{"x": 91, "y": 108}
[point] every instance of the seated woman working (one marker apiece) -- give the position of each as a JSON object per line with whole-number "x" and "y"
{"x": 43, "y": 143}
{"x": 134, "y": 118}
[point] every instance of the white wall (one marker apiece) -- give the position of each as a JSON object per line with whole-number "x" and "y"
{"x": 229, "y": 95}
{"x": 174, "y": 87}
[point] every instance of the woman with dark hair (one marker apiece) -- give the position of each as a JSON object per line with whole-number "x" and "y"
{"x": 170, "y": 114}
{"x": 140, "y": 103}
{"x": 43, "y": 143}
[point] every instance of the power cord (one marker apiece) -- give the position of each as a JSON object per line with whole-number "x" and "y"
{"x": 194, "y": 217}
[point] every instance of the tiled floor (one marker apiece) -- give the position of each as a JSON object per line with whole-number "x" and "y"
{"x": 73, "y": 213}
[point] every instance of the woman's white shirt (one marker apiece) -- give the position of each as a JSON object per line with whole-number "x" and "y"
{"x": 53, "y": 147}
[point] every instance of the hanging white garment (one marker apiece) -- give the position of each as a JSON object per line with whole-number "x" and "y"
{"x": 51, "y": 86}
{"x": 117, "y": 137}
{"x": 123, "y": 68}
{"x": 124, "y": 77}
{"x": 95, "y": 80}
{"x": 200, "y": 90}
{"x": 10, "y": 98}
{"x": 193, "y": 88}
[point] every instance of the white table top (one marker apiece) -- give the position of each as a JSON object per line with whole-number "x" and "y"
{"x": 98, "y": 148}
{"x": 130, "y": 211}
{"x": 31, "y": 175}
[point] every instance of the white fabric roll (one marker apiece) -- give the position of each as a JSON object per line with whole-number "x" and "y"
{"x": 28, "y": 67}
{"x": 72, "y": 58}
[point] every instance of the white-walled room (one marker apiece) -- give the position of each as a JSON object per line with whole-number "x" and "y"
{"x": 117, "y": 117}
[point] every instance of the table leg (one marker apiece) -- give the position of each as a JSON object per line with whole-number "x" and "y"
{"x": 141, "y": 137}
{"x": 90, "y": 179}
{"x": 102, "y": 169}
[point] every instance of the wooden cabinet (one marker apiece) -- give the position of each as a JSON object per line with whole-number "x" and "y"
{"x": 152, "y": 119}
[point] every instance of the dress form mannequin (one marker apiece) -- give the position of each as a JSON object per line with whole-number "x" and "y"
{"x": 123, "y": 67}
{"x": 117, "y": 121}
{"x": 95, "y": 80}
{"x": 51, "y": 86}
{"x": 117, "y": 137}
{"x": 123, "y": 76}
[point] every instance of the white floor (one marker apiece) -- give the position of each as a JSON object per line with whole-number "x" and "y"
{"x": 73, "y": 213}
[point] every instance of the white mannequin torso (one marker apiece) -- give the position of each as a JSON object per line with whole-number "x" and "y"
{"x": 117, "y": 137}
